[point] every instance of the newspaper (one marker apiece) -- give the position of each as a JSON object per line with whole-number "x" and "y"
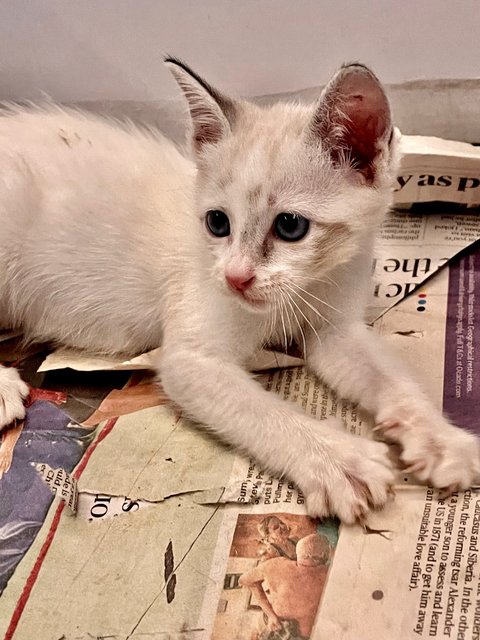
{"x": 411, "y": 247}
{"x": 433, "y": 169}
{"x": 63, "y": 358}
{"x": 147, "y": 527}
{"x": 431, "y": 587}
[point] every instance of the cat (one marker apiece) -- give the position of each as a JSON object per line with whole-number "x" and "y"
{"x": 112, "y": 240}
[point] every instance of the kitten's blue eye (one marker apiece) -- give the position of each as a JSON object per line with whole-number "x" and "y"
{"x": 291, "y": 227}
{"x": 218, "y": 223}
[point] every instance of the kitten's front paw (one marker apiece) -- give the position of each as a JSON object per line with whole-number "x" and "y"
{"x": 13, "y": 391}
{"x": 435, "y": 451}
{"x": 358, "y": 477}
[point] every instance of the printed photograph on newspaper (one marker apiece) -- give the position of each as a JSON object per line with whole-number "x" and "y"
{"x": 276, "y": 573}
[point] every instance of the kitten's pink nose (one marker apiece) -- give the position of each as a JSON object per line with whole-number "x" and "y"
{"x": 240, "y": 282}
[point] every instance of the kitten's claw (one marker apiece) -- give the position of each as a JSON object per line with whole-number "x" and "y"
{"x": 385, "y": 426}
{"x": 435, "y": 451}
{"x": 416, "y": 467}
{"x": 13, "y": 391}
{"x": 360, "y": 479}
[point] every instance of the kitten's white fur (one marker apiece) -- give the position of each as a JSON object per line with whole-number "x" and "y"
{"x": 103, "y": 246}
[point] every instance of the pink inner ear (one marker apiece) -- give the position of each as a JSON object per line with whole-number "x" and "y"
{"x": 355, "y": 118}
{"x": 363, "y": 127}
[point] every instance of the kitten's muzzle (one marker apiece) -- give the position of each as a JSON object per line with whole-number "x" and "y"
{"x": 240, "y": 287}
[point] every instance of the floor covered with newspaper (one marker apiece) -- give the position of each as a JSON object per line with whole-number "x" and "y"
{"x": 121, "y": 519}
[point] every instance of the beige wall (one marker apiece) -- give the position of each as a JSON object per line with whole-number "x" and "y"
{"x": 112, "y": 49}
{"x": 109, "y": 53}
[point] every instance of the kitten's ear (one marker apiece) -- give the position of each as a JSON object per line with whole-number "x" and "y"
{"x": 211, "y": 112}
{"x": 353, "y": 119}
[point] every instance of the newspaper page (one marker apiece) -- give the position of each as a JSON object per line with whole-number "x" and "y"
{"x": 437, "y": 170}
{"x": 234, "y": 554}
{"x": 411, "y": 247}
{"x": 205, "y": 517}
{"x": 418, "y": 580}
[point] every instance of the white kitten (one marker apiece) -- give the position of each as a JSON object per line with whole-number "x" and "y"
{"x": 112, "y": 241}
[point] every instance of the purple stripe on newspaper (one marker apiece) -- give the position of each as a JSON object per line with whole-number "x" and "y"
{"x": 461, "y": 391}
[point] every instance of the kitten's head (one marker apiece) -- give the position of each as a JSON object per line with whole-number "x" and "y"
{"x": 287, "y": 193}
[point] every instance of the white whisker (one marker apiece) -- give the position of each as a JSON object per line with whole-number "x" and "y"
{"x": 327, "y": 281}
{"x": 319, "y": 299}
{"x": 320, "y": 315}
{"x": 283, "y": 322}
{"x": 288, "y": 317}
{"x": 307, "y": 320}
{"x": 268, "y": 328}
{"x": 332, "y": 281}
{"x": 290, "y": 300}
{"x": 274, "y": 323}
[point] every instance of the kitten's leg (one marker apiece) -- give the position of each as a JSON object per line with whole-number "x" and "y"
{"x": 13, "y": 391}
{"x": 357, "y": 365}
{"x": 338, "y": 473}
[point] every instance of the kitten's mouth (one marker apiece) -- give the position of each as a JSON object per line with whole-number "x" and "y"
{"x": 251, "y": 301}
{"x": 247, "y": 299}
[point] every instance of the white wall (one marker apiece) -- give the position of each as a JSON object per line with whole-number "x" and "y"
{"x": 112, "y": 49}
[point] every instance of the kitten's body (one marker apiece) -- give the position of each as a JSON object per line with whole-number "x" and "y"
{"x": 103, "y": 246}
{"x": 93, "y": 217}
